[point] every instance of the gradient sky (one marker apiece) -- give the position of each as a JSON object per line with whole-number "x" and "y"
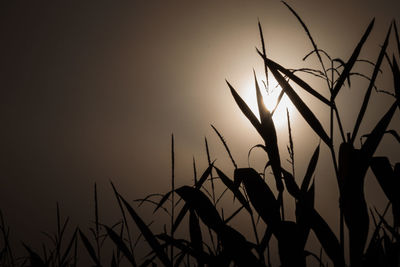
{"x": 92, "y": 92}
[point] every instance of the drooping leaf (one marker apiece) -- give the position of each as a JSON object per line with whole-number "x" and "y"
{"x": 350, "y": 63}
{"x": 198, "y": 201}
{"x": 260, "y": 195}
{"x": 185, "y": 207}
{"x": 370, "y": 87}
{"x": 234, "y": 189}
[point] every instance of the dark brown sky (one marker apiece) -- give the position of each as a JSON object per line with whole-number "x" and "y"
{"x": 93, "y": 91}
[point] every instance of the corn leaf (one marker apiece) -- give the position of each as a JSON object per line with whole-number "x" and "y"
{"x": 146, "y": 232}
{"x": 374, "y": 138}
{"x": 350, "y": 63}
{"x": 245, "y": 109}
{"x": 185, "y": 207}
{"x": 237, "y": 247}
{"x": 89, "y": 248}
{"x": 195, "y": 232}
{"x": 272, "y": 64}
{"x": 302, "y": 107}
{"x": 396, "y": 80}
{"x": 310, "y": 170}
{"x": 260, "y": 195}
{"x": 198, "y": 201}
{"x": 384, "y": 174}
{"x": 121, "y": 245}
{"x": 370, "y": 86}
{"x": 34, "y": 258}
{"x": 234, "y": 189}
{"x": 327, "y": 238}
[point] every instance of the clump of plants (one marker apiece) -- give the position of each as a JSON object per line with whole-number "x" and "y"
{"x": 369, "y": 237}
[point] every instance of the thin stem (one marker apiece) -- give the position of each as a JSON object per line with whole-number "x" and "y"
{"x": 172, "y": 196}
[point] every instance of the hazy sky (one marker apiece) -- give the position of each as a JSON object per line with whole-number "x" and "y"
{"x": 92, "y": 91}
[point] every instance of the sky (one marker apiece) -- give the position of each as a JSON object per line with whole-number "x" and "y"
{"x": 92, "y": 91}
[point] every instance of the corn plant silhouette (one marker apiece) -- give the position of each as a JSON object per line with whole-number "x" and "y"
{"x": 226, "y": 245}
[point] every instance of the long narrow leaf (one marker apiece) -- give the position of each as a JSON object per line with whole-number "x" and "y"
{"x": 121, "y": 245}
{"x": 185, "y": 207}
{"x": 269, "y": 135}
{"x": 308, "y": 34}
{"x": 310, "y": 170}
{"x": 260, "y": 195}
{"x": 370, "y": 87}
{"x": 89, "y": 248}
{"x": 234, "y": 189}
{"x": 350, "y": 63}
{"x": 272, "y": 64}
{"x": 198, "y": 201}
{"x": 245, "y": 109}
{"x": 302, "y": 107}
{"x": 148, "y": 235}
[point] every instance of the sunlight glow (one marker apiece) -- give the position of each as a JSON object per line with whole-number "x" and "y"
{"x": 270, "y": 100}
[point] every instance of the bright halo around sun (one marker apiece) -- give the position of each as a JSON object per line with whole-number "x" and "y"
{"x": 270, "y": 99}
